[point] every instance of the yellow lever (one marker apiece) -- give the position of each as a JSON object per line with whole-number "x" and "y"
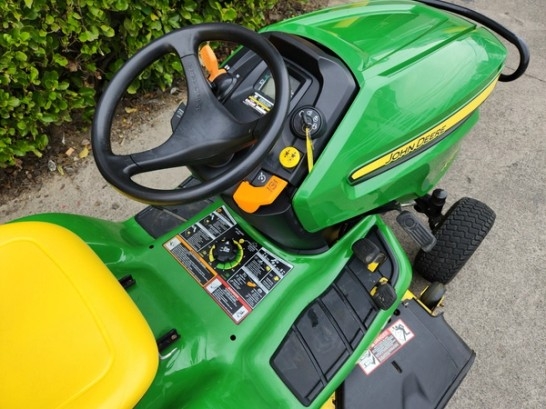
{"x": 210, "y": 62}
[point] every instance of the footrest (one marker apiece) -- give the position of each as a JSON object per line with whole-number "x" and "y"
{"x": 417, "y": 230}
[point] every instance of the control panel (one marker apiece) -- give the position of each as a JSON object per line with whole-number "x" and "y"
{"x": 321, "y": 90}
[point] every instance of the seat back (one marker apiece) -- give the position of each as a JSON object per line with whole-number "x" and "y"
{"x": 70, "y": 336}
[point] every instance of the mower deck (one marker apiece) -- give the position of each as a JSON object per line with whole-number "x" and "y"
{"x": 418, "y": 358}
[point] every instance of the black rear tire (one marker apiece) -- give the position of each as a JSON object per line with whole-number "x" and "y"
{"x": 458, "y": 236}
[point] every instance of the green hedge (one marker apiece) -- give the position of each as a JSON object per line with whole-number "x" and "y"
{"x": 56, "y": 54}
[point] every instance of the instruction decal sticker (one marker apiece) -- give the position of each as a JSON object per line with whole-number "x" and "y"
{"x": 233, "y": 269}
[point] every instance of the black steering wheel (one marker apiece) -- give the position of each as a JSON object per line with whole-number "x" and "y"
{"x": 206, "y": 132}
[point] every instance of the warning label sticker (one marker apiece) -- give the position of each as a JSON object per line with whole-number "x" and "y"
{"x": 388, "y": 343}
{"x": 233, "y": 269}
{"x": 258, "y": 103}
{"x": 227, "y": 299}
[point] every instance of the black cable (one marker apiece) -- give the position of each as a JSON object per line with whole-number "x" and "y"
{"x": 494, "y": 26}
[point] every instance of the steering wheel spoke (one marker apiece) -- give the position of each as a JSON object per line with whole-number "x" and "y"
{"x": 165, "y": 156}
{"x": 124, "y": 165}
{"x": 199, "y": 92}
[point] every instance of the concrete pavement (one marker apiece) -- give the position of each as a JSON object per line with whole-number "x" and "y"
{"x": 497, "y": 302}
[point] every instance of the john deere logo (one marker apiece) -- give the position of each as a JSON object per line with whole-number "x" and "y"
{"x": 423, "y": 141}
{"x": 414, "y": 145}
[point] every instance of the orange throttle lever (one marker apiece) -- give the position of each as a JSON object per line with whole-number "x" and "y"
{"x": 210, "y": 62}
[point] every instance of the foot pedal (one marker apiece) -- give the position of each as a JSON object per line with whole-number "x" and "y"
{"x": 417, "y": 230}
{"x": 369, "y": 253}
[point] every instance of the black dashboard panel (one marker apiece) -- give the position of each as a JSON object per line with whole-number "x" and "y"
{"x": 321, "y": 84}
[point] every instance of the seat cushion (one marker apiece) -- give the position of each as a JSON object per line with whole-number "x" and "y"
{"x": 70, "y": 336}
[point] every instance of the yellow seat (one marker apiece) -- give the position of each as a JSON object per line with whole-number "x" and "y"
{"x": 70, "y": 337}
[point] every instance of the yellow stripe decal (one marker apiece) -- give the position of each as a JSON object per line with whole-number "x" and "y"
{"x": 424, "y": 139}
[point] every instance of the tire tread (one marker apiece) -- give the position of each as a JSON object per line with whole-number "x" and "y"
{"x": 458, "y": 236}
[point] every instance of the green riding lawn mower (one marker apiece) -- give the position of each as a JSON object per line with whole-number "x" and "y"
{"x": 268, "y": 279}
